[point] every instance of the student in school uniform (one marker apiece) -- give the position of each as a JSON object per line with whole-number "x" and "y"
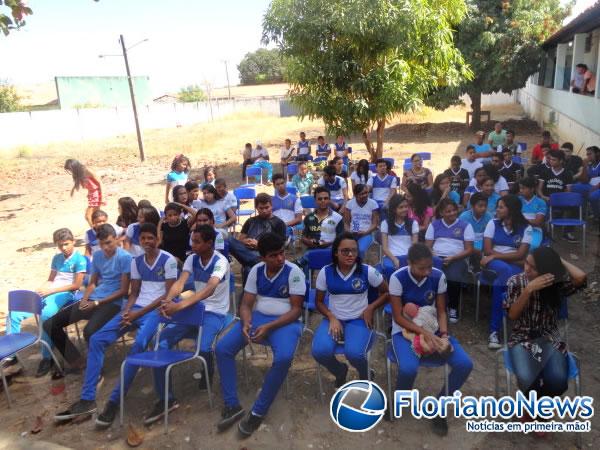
{"x": 534, "y": 209}
{"x": 269, "y": 313}
{"x": 173, "y": 233}
{"x": 471, "y": 163}
{"x": 506, "y": 242}
{"x": 108, "y": 285}
{"x": 361, "y": 173}
{"x": 92, "y": 245}
{"x": 423, "y": 285}
{"x": 487, "y": 189}
{"x": 459, "y": 176}
{"x": 478, "y": 217}
{"x": 285, "y": 205}
{"x": 382, "y": 185}
{"x": 510, "y": 170}
{"x": 152, "y": 275}
{"x": 67, "y": 272}
{"x": 323, "y": 224}
{"x": 515, "y": 148}
{"x": 303, "y": 149}
{"x": 451, "y": 239}
{"x": 228, "y": 198}
{"x": 361, "y": 218}
{"x": 287, "y": 154}
{"x": 132, "y": 234}
{"x": 323, "y": 148}
{"x": 398, "y": 233}
{"x": 260, "y": 158}
{"x": 341, "y": 149}
{"x": 337, "y": 187}
{"x": 349, "y": 316}
{"x": 209, "y": 271}
{"x": 500, "y": 183}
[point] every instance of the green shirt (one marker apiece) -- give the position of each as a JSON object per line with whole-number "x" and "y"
{"x": 303, "y": 184}
{"x": 497, "y": 139}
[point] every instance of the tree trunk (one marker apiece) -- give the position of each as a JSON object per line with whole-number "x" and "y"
{"x": 369, "y": 145}
{"x": 476, "y": 110}
{"x": 380, "y": 133}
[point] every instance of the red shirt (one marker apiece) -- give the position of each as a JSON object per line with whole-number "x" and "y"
{"x": 537, "y": 152}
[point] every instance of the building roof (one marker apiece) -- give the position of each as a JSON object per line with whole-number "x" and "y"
{"x": 585, "y": 22}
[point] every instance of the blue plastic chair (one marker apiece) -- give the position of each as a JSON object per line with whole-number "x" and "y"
{"x": 12, "y": 343}
{"x": 319, "y": 159}
{"x": 372, "y": 167}
{"x": 390, "y": 358}
{"x": 562, "y": 200}
{"x": 308, "y": 202}
{"x": 523, "y": 145}
{"x": 244, "y": 194}
{"x": 255, "y": 172}
{"x": 517, "y": 159}
{"x": 392, "y": 161}
{"x": 292, "y": 169}
{"x": 317, "y": 259}
{"x": 425, "y": 156}
{"x": 191, "y": 316}
{"x": 291, "y": 189}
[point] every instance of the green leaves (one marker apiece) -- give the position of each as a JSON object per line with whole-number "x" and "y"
{"x": 261, "y": 66}
{"x": 18, "y": 9}
{"x": 9, "y": 99}
{"x": 193, "y": 93}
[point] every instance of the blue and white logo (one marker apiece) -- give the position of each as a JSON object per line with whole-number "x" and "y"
{"x": 358, "y": 406}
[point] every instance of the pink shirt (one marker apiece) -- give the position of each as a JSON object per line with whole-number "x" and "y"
{"x": 420, "y": 220}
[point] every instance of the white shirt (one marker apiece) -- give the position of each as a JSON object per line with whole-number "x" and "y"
{"x": 287, "y": 215}
{"x": 230, "y": 201}
{"x": 134, "y": 249}
{"x": 358, "y": 179}
{"x": 260, "y": 153}
{"x": 501, "y": 184}
{"x": 471, "y": 167}
{"x": 96, "y": 247}
{"x": 287, "y": 152}
{"x": 399, "y": 244}
{"x": 151, "y": 290}
{"x": 218, "y": 302}
{"x": 447, "y": 246}
{"x": 361, "y": 216}
{"x": 338, "y": 194}
{"x": 348, "y": 306}
{"x": 218, "y": 209}
{"x": 490, "y": 229}
{"x": 273, "y": 306}
{"x": 381, "y": 194}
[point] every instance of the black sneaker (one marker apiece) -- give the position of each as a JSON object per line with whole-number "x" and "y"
{"x": 249, "y": 424}
{"x": 10, "y": 361}
{"x": 229, "y": 416}
{"x": 107, "y": 417}
{"x": 341, "y": 379}
{"x": 77, "y": 409}
{"x": 44, "y": 368}
{"x": 439, "y": 426}
{"x": 158, "y": 411}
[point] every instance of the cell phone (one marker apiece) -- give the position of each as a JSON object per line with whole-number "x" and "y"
{"x": 340, "y": 339}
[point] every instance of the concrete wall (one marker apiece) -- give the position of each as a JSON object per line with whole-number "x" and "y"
{"x": 41, "y": 127}
{"x": 571, "y": 117}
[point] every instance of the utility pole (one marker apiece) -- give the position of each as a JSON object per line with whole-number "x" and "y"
{"x": 227, "y": 75}
{"x": 135, "y": 114}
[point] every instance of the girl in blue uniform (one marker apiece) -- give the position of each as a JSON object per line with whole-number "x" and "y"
{"x": 506, "y": 242}
{"x": 349, "y": 316}
{"x": 398, "y": 233}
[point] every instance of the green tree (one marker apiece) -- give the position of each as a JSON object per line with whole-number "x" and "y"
{"x": 261, "y": 66}
{"x": 357, "y": 63}
{"x": 193, "y": 93}
{"x": 12, "y": 14}
{"x": 9, "y": 99}
{"x": 500, "y": 39}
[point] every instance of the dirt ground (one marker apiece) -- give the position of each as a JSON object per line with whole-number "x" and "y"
{"x": 34, "y": 201}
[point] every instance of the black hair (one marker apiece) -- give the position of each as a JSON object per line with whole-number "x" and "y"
{"x": 330, "y": 171}
{"x": 470, "y": 147}
{"x": 105, "y": 231}
{"x": 175, "y": 192}
{"x": 582, "y": 66}
{"x": 547, "y": 260}
{"x": 320, "y": 137}
{"x": 513, "y": 204}
{"x": 546, "y": 133}
{"x": 455, "y": 158}
{"x": 191, "y": 185}
{"x": 506, "y": 149}
{"x": 148, "y": 227}
{"x": 173, "y": 207}
{"x": 444, "y": 203}
{"x": 528, "y": 182}
{"x": 393, "y": 204}
{"x": 270, "y": 242}
{"x": 559, "y": 154}
{"x": 209, "y": 169}
{"x": 595, "y": 149}
{"x": 262, "y": 199}
{"x": 178, "y": 159}
{"x": 362, "y": 169}
{"x": 510, "y": 132}
{"x": 277, "y": 176}
{"x": 436, "y": 192}
{"x": 335, "y": 159}
{"x": 129, "y": 211}
{"x": 77, "y": 170}
{"x": 419, "y": 251}
{"x": 207, "y": 233}
{"x": 205, "y": 212}
{"x": 151, "y": 215}
{"x": 98, "y": 213}
{"x": 420, "y": 199}
{"x": 388, "y": 164}
{"x": 477, "y": 197}
{"x": 247, "y": 145}
{"x": 213, "y": 190}
{"x": 320, "y": 190}
{"x": 359, "y": 188}
{"x": 479, "y": 169}
{"x": 62, "y": 234}
{"x": 568, "y": 145}
{"x": 492, "y": 172}
{"x": 336, "y": 244}
{"x": 143, "y": 204}
{"x": 497, "y": 155}
{"x": 219, "y": 181}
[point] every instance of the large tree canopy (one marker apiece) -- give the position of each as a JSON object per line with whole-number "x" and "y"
{"x": 12, "y": 14}
{"x": 500, "y": 40}
{"x": 357, "y": 63}
{"x": 261, "y": 66}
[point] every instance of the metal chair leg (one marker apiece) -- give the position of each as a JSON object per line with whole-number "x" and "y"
{"x": 122, "y": 394}
{"x": 208, "y": 388}
{"x": 5, "y": 384}
{"x": 245, "y": 367}
{"x": 320, "y": 383}
{"x": 167, "y": 373}
{"x": 477, "y": 297}
{"x": 54, "y": 358}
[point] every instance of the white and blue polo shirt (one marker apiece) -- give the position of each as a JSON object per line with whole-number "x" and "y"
{"x": 91, "y": 239}
{"x": 340, "y": 149}
{"x": 401, "y": 240}
{"x": 133, "y": 234}
{"x": 336, "y": 189}
{"x": 324, "y": 150}
{"x": 449, "y": 240}
{"x": 348, "y": 294}
{"x": 273, "y": 294}
{"x": 218, "y": 266}
{"x": 361, "y": 216}
{"x": 505, "y": 240}
{"x": 153, "y": 277}
{"x": 67, "y": 268}
{"x": 533, "y": 207}
{"x": 286, "y": 207}
{"x": 303, "y": 147}
{"x": 421, "y": 293}
{"x": 381, "y": 187}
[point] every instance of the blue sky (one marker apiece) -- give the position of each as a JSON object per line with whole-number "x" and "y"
{"x": 188, "y": 40}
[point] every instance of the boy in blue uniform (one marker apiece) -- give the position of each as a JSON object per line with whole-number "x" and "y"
{"x": 382, "y": 185}
{"x": 270, "y": 309}
{"x": 478, "y": 217}
{"x": 209, "y": 271}
{"x": 152, "y": 274}
{"x": 109, "y": 284}
{"x": 66, "y": 276}
{"x": 423, "y": 285}
{"x": 92, "y": 245}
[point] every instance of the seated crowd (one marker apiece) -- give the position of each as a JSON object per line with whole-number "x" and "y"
{"x": 485, "y": 214}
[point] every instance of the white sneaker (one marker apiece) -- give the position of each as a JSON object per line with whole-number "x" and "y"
{"x": 493, "y": 341}
{"x": 452, "y": 315}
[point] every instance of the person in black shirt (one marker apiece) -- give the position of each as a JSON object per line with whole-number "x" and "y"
{"x": 174, "y": 233}
{"x": 573, "y": 163}
{"x": 459, "y": 178}
{"x": 244, "y": 248}
{"x": 510, "y": 170}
